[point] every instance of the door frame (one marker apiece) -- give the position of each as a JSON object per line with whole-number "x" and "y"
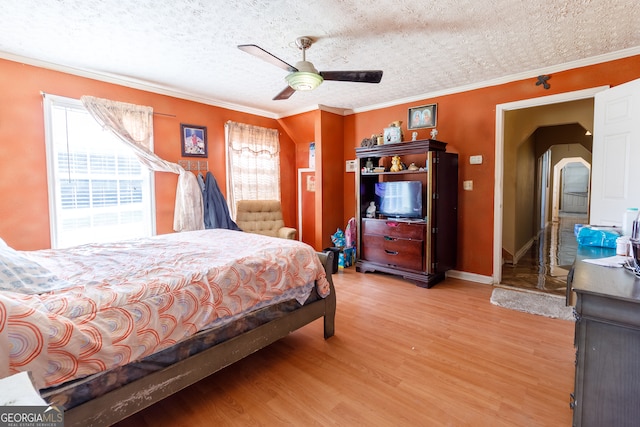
{"x": 557, "y": 191}
{"x": 300, "y": 205}
{"x": 499, "y": 160}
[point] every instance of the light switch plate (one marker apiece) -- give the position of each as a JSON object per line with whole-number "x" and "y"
{"x": 476, "y": 160}
{"x": 467, "y": 185}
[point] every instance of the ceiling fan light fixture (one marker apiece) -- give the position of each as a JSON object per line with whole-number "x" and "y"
{"x": 304, "y": 80}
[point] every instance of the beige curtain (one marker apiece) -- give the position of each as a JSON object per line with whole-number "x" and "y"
{"x": 133, "y": 124}
{"x": 253, "y": 164}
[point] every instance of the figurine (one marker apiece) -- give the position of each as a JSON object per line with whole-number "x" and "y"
{"x": 412, "y": 167}
{"x": 434, "y": 133}
{"x": 371, "y": 210}
{"x": 367, "y": 142}
{"x": 368, "y": 165}
{"x": 396, "y": 164}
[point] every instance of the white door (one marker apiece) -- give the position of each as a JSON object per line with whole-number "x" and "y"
{"x": 615, "y": 179}
{"x": 575, "y": 187}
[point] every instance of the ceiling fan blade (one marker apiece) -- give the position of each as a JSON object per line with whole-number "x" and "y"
{"x": 285, "y": 94}
{"x": 266, "y": 56}
{"x": 370, "y": 76}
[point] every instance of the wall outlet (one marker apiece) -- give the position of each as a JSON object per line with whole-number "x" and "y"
{"x": 351, "y": 166}
{"x": 467, "y": 185}
{"x": 476, "y": 160}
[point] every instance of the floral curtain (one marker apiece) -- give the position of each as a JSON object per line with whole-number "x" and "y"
{"x": 253, "y": 164}
{"x": 133, "y": 124}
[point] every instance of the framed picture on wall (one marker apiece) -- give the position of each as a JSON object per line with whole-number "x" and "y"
{"x": 193, "y": 140}
{"x": 422, "y": 117}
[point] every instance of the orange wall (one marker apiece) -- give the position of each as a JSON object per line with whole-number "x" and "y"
{"x": 325, "y": 209}
{"x": 466, "y": 121}
{"x": 300, "y": 128}
{"x": 330, "y": 202}
{"x": 24, "y": 219}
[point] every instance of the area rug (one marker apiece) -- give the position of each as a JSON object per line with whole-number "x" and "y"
{"x": 532, "y": 302}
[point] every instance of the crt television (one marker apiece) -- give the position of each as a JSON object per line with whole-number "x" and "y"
{"x": 399, "y": 199}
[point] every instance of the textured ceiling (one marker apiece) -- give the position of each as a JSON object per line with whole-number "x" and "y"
{"x": 187, "y": 48}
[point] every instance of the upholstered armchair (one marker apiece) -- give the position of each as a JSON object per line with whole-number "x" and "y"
{"x": 263, "y": 217}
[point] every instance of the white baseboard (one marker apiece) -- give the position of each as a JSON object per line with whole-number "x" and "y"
{"x": 471, "y": 277}
{"x": 523, "y": 250}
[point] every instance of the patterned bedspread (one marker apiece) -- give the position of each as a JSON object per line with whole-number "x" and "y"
{"x": 128, "y": 300}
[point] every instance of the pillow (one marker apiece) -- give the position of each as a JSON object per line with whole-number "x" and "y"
{"x": 3, "y": 244}
{"x": 22, "y": 275}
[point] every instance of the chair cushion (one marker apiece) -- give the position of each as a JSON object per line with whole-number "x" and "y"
{"x": 260, "y": 216}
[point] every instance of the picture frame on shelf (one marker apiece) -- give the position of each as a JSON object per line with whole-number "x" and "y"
{"x": 392, "y": 135}
{"x": 424, "y": 116}
{"x": 193, "y": 140}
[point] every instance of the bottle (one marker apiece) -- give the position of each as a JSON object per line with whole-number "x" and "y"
{"x": 630, "y": 215}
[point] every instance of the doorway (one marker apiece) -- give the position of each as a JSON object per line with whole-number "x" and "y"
{"x": 539, "y": 113}
{"x": 562, "y": 182}
{"x": 571, "y": 192}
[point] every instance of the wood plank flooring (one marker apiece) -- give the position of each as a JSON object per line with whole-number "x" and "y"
{"x": 402, "y": 356}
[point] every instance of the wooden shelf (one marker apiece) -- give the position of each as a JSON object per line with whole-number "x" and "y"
{"x": 401, "y": 148}
{"x": 403, "y": 172}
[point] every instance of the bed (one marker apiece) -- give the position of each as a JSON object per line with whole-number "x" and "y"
{"x": 107, "y": 330}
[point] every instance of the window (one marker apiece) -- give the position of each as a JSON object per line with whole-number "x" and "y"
{"x": 253, "y": 170}
{"x": 98, "y": 190}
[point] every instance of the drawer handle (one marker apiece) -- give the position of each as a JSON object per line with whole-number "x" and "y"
{"x": 391, "y": 252}
{"x": 390, "y": 238}
{"x": 572, "y": 402}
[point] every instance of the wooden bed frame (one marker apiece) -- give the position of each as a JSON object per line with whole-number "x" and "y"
{"x": 122, "y": 402}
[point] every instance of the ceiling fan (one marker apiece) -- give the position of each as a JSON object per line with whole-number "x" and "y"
{"x": 304, "y": 76}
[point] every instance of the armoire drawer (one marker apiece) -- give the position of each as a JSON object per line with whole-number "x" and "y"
{"x": 392, "y": 228}
{"x": 386, "y": 250}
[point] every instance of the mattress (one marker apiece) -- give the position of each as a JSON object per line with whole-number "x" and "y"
{"x": 74, "y": 393}
{"x": 123, "y": 302}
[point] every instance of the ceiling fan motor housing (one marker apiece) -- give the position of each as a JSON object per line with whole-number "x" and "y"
{"x": 306, "y": 66}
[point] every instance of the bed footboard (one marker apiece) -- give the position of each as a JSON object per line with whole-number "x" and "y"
{"x": 330, "y": 301}
{"x": 136, "y": 396}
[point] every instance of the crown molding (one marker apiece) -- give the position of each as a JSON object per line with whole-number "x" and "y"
{"x": 136, "y": 84}
{"x": 611, "y": 56}
{"x": 164, "y": 90}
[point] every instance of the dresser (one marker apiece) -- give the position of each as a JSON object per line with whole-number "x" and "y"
{"x": 607, "y": 340}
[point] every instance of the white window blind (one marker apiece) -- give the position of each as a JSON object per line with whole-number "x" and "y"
{"x": 98, "y": 190}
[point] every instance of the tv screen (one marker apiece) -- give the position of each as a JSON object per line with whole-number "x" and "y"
{"x": 399, "y": 199}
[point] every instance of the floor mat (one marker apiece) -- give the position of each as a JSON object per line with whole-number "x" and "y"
{"x": 532, "y": 302}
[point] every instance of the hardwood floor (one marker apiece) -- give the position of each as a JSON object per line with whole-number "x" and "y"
{"x": 402, "y": 356}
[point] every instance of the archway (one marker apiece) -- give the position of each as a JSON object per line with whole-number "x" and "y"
{"x": 557, "y": 183}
